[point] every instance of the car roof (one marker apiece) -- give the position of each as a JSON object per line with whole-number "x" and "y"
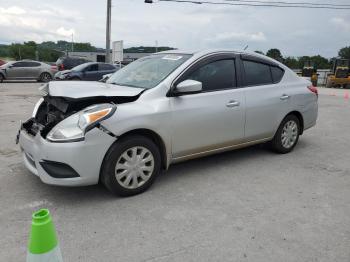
{"x": 213, "y": 51}
{"x": 200, "y": 53}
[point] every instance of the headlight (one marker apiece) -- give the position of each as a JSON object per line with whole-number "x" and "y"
{"x": 73, "y": 128}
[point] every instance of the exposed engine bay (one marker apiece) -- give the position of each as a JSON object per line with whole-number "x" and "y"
{"x": 54, "y": 109}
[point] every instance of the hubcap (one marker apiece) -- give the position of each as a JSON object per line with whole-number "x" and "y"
{"x": 289, "y": 134}
{"x": 134, "y": 167}
{"x": 46, "y": 77}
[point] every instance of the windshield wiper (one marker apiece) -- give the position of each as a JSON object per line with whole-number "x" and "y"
{"x": 115, "y": 83}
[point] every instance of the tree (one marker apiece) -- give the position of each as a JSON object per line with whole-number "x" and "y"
{"x": 23, "y": 51}
{"x": 275, "y": 54}
{"x": 291, "y": 62}
{"x": 320, "y": 62}
{"x": 4, "y": 51}
{"x": 345, "y": 52}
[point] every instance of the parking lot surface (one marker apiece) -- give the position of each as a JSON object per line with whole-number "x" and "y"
{"x": 245, "y": 205}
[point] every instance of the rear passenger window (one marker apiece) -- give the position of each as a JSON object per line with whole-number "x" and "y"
{"x": 217, "y": 75}
{"x": 33, "y": 64}
{"x": 106, "y": 67}
{"x": 277, "y": 74}
{"x": 257, "y": 73}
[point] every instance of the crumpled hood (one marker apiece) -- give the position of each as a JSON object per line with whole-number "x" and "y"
{"x": 83, "y": 89}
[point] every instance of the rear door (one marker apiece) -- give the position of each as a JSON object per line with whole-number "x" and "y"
{"x": 211, "y": 119}
{"x": 33, "y": 70}
{"x": 267, "y": 101}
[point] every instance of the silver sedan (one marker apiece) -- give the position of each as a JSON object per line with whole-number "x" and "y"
{"x": 27, "y": 70}
{"x": 162, "y": 109}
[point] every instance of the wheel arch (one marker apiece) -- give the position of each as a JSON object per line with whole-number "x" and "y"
{"x": 156, "y": 138}
{"x": 300, "y": 118}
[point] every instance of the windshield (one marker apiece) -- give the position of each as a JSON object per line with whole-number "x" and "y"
{"x": 149, "y": 71}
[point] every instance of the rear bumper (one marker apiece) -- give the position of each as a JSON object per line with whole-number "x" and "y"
{"x": 84, "y": 157}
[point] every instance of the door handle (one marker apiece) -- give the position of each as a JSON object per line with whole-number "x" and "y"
{"x": 232, "y": 103}
{"x": 284, "y": 97}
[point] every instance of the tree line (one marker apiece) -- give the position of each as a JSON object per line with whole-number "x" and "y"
{"x": 298, "y": 62}
{"x": 50, "y": 51}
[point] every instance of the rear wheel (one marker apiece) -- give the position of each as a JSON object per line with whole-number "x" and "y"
{"x": 287, "y": 135}
{"x": 45, "y": 77}
{"x": 75, "y": 78}
{"x": 1, "y": 78}
{"x": 131, "y": 166}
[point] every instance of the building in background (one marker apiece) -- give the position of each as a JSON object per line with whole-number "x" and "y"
{"x": 100, "y": 56}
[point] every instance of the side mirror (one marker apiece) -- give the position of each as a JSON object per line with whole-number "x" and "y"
{"x": 188, "y": 86}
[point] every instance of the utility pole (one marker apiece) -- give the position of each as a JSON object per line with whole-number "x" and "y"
{"x": 108, "y": 31}
{"x": 72, "y": 42}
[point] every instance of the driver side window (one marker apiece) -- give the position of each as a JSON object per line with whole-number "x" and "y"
{"x": 217, "y": 75}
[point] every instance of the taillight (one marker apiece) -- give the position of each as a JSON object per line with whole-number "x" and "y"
{"x": 53, "y": 68}
{"x": 61, "y": 67}
{"x": 313, "y": 89}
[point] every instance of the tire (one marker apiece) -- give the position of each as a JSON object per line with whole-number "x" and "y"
{"x": 1, "y": 78}
{"x": 119, "y": 162}
{"x": 75, "y": 79}
{"x": 45, "y": 77}
{"x": 288, "y": 130}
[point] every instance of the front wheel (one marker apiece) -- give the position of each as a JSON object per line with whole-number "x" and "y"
{"x": 131, "y": 165}
{"x": 287, "y": 135}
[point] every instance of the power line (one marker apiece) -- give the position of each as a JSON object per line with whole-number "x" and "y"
{"x": 289, "y": 3}
{"x": 345, "y": 7}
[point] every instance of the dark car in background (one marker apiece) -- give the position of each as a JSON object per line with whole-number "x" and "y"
{"x": 91, "y": 71}
{"x": 27, "y": 70}
{"x": 66, "y": 62}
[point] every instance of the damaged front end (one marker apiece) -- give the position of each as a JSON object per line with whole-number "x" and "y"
{"x": 67, "y": 119}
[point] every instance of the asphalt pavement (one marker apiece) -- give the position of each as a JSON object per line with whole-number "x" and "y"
{"x": 244, "y": 205}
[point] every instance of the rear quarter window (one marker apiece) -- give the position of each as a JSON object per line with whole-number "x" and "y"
{"x": 277, "y": 74}
{"x": 257, "y": 73}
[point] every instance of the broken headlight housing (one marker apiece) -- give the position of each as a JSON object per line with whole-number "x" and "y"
{"x": 74, "y": 127}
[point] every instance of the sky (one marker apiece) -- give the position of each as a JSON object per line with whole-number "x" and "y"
{"x": 295, "y": 32}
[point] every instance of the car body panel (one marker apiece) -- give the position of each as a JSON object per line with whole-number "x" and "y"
{"x": 90, "y": 151}
{"x": 202, "y": 122}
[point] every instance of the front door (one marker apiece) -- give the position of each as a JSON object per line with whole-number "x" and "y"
{"x": 211, "y": 119}
{"x": 16, "y": 71}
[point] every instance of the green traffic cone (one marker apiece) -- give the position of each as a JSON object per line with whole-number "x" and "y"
{"x": 43, "y": 245}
